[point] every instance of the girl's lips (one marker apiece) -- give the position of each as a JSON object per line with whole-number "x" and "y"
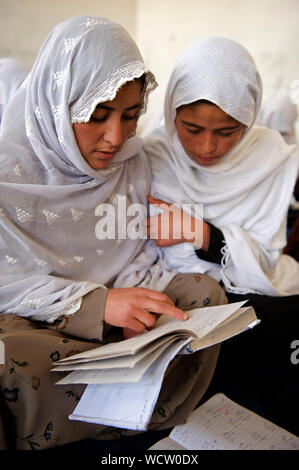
{"x": 206, "y": 159}
{"x": 105, "y": 155}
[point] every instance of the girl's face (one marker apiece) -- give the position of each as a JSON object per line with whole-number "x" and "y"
{"x": 206, "y": 132}
{"x": 110, "y": 126}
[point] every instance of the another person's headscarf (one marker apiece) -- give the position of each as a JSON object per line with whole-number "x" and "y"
{"x": 246, "y": 194}
{"x": 278, "y": 112}
{"x": 12, "y": 75}
{"x": 50, "y": 198}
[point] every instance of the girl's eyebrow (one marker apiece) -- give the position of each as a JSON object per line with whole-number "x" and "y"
{"x": 110, "y": 108}
{"x": 190, "y": 124}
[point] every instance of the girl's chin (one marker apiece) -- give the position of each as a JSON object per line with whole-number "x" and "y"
{"x": 99, "y": 164}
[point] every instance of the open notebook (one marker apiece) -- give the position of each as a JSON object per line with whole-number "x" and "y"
{"x": 221, "y": 424}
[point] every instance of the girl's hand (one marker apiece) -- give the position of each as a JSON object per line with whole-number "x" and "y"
{"x": 135, "y": 309}
{"x": 175, "y": 226}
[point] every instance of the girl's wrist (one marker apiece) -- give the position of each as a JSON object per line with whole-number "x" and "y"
{"x": 206, "y": 232}
{"x": 201, "y": 236}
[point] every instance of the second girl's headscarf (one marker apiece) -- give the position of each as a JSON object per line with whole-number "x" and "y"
{"x": 51, "y": 251}
{"x": 246, "y": 194}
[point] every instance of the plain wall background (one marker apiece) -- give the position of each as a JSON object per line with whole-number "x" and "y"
{"x": 163, "y": 28}
{"x": 24, "y": 24}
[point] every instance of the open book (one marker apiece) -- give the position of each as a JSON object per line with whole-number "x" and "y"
{"x": 137, "y": 365}
{"x": 221, "y": 424}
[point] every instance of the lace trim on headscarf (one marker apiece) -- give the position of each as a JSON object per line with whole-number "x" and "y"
{"x": 106, "y": 91}
{"x": 65, "y": 307}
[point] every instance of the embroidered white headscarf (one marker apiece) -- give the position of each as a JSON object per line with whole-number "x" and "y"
{"x": 12, "y": 74}
{"x": 246, "y": 194}
{"x": 278, "y": 112}
{"x": 51, "y": 199}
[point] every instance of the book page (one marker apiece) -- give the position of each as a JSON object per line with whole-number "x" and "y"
{"x": 128, "y": 406}
{"x": 240, "y": 321}
{"x": 201, "y": 321}
{"x": 110, "y": 376}
{"x": 117, "y": 362}
{"x": 221, "y": 424}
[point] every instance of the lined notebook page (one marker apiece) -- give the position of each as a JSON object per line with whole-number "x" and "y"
{"x": 125, "y": 405}
{"x": 221, "y": 424}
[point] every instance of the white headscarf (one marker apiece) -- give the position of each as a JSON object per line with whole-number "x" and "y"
{"x": 50, "y": 255}
{"x": 12, "y": 74}
{"x": 246, "y": 194}
{"x": 278, "y": 112}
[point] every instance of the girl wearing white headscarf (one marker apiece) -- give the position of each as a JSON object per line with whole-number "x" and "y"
{"x": 12, "y": 75}
{"x": 49, "y": 191}
{"x": 246, "y": 193}
{"x": 210, "y": 153}
{"x": 68, "y": 153}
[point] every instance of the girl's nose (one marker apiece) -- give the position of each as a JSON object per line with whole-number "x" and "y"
{"x": 113, "y": 132}
{"x": 208, "y": 144}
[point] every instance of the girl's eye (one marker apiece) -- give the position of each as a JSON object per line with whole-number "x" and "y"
{"x": 193, "y": 131}
{"x": 225, "y": 134}
{"x": 131, "y": 116}
{"x": 97, "y": 119}
{"x": 99, "y": 115}
{"x": 197, "y": 131}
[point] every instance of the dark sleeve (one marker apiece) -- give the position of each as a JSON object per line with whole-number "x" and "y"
{"x": 213, "y": 255}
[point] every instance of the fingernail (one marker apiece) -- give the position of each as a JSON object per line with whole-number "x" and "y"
{"x": 185, "y": 316}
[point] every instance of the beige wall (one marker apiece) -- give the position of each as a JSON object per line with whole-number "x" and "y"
{"x": 162, "y": 29}
{"x": 24, "y": 24}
